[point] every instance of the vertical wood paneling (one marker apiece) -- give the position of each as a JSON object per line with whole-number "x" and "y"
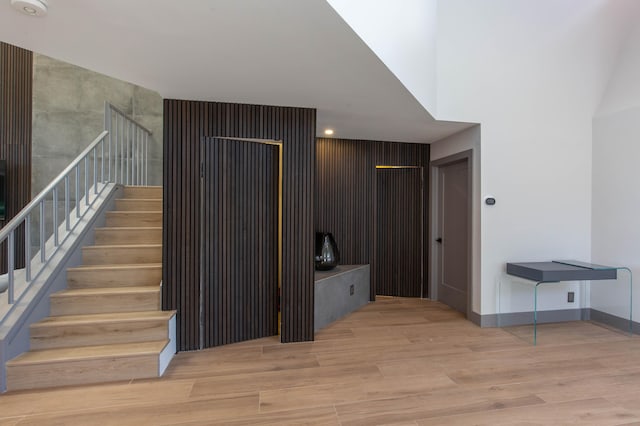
{"x": 239, "y": 261}
{"x": 16, "y": 83}
{"x": 185, "y": 122}
{"x": 399, "y": 247}
{"x": 345, "y": 197}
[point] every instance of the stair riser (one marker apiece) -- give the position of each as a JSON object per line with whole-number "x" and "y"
{"x": 113, "y": 236}
{"x": 67, "y": 336}
{"x": 80, "y": 305}
{"x": 133, "y": 219}
{"x": 121, "y": 255}
{"x": 118, "y": 278}
{"x": 142, "y": 192}
{"x": 56, "y": 374}
{"x": 139, "y": 205}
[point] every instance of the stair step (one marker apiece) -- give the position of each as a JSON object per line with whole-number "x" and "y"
{"x": 139, "y": 205}
{"x": 122, "y": 254}
{"x": 126, "y": 275}
{"x": 124, "y": 235}
{"x": 104, "y": 300}
{"x": 99, "y": 329}
{"x": 131, "y": 219}
{"x": 83, "y": 365}
{"x": 147, "y": 192}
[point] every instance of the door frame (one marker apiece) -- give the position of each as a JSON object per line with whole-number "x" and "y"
{"x": 424, "y": 284}
{"x": 434, "y": 221}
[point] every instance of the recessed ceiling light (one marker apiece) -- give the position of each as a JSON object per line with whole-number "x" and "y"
{"x": 328, "y": 132}
{"x": 30, "y": 7}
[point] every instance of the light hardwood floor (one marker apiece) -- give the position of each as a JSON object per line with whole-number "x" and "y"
{"x": 396, "y": 361}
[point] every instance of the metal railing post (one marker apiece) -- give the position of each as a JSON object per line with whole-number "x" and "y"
{"x": 146, "y": 158}
{"x": 95, "y": 171}
{"x": 27, "y": 247}
{"x": 43, "y": 231}
{"x": 78, "y": 191}
{"x": 11, "y": 265}
{"x": 56, "y": 240}
{"x": 86, "y": 181}
{"x": 107, "y": 127}
{"x": 67, "y": 204}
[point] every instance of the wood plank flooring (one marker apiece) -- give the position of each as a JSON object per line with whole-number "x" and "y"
{"x": 396, "y": 361}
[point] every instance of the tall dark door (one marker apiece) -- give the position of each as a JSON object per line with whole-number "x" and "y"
{"x": 239, "y": 249}
{"x": 399, "y": 232}
{"x": 454, "y": 204}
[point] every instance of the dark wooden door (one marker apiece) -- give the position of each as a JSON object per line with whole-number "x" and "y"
{"x": 239, "y": 251}
{"x": 453, "y": 225}
{"x": 399, "y": 232}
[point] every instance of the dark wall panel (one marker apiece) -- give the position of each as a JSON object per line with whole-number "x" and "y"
{"x": 185, "y": 122}
{"x": 16, "y": 82}
{"x": 239, "y": 241}
{"x": 398, "y": 232}
{"x": 345, "y": 197}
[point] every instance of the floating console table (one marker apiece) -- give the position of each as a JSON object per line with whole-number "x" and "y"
{"x": 566, "y": 270}
{"x": 339, "y": 292}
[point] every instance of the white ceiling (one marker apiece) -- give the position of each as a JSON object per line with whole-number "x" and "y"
{"x": 274, "y": 52}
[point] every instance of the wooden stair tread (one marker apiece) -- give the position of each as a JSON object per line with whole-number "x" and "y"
{"x": 88, "y": 353}
{"x": 99, "y": 291}
{"x": 112, "y": 317}
{"x": 126, "y": 228}
{"x": 118, "y": 267}
{"x": 135, "y": 212}
{"x": 132, "y": 212}
{"x": 132, "y": 192}
{"x": 122, "y": 246}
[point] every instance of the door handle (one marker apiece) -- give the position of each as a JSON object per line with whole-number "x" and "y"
{"x": 439, "y": 240}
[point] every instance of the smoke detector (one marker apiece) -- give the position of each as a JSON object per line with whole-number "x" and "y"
{"x": 30, "y": 7}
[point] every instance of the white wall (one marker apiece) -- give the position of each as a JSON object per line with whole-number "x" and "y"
{"x": 403, "y": 35}
{"x": 623, "y": 90}
{"x": 532, "y": 73}
{"x": 616, "y": 199}
{"x": 465, "y": 140}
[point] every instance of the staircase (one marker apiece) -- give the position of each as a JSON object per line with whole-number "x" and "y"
{"x": 107, "y": 325}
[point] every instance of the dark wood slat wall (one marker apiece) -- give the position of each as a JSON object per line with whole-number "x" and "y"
{"x": 16, "y": 85}
{"x": 345, "y": 197}
{"x": 398, "y": 245}
{"x": 239, "y": 240}
{"x": 185, "y": 122}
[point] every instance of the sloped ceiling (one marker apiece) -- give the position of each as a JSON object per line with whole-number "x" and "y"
{"x": 276, "y": 52}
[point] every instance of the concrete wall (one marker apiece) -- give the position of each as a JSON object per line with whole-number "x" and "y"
{"x": 616, "y": 200}
{"x": 333, "y": 297}
{"x": 68, "y": 113}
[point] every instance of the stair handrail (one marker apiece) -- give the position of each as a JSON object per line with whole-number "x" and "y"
{"x": 127, "y": 164}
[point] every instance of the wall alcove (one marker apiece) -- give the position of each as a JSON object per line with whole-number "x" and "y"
{"x": 346, "y": 201}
